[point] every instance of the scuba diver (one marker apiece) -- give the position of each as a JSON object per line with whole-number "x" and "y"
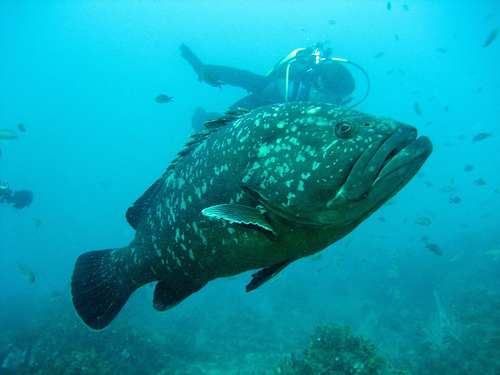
{"x": 306, "y": 74}
{"x": 19, "y": 199}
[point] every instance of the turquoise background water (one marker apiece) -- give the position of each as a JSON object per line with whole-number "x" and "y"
{"x": 82, "y": 77}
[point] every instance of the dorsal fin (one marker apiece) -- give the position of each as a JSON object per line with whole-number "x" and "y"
{"x": 211, "y": 126}
{"x": 141, "y": 205}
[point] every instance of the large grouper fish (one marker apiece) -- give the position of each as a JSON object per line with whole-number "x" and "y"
{"x": 254, "y": 190}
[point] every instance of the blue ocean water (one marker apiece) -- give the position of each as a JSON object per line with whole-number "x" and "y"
{"x": 82, "y": 77}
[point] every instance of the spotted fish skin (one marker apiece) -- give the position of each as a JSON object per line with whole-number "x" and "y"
{"x": 272, "y": 186}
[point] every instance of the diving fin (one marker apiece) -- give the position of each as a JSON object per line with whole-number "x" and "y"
{"x": 193, "y": 60}
{"x": 266, "y": 274}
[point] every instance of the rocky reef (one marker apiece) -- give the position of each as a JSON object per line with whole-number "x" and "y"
{"x": 335, "y": 350}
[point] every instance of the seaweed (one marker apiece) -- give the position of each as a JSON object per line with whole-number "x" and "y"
{"x": 335, "y": 350}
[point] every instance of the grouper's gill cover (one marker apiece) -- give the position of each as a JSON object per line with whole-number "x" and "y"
{"x": 254, "y": 190}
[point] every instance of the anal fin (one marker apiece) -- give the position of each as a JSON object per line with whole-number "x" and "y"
{"x": 266, "y": 274}
{"x": 168, "y": 295}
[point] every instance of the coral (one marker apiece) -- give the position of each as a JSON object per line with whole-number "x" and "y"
{"x": 335, "y": 351}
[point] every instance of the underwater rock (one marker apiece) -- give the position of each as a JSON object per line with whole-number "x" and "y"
{"x": 14, "y": 360}
{"x": 335, "y": 350}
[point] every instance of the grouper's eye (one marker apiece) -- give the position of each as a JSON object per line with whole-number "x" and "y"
{"x": 344, "y": 129}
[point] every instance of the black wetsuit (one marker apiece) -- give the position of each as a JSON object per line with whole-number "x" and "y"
{"x": 19, "y": 199}
{"x": 300, "y": 71}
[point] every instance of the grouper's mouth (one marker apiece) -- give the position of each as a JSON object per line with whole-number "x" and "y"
{"x": 382, "y": 170}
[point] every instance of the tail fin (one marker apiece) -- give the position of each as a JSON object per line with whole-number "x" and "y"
{"x": 98, "y": 292}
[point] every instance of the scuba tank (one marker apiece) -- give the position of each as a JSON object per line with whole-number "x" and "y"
{"x": 306, "y": 59}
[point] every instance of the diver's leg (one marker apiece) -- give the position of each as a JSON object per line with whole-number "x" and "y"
{"x": 216, "y": 75}
{"x": 238, "y": 77}
{"x": 193, "y": 60}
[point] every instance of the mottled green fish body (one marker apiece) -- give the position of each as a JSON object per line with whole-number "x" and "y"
{"x": 254, "y": 190}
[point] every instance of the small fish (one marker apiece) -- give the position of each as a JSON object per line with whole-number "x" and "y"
{"x": 396, "y": 36}
{"x": 405, "y": 7}
{"x": 429, "y": 213}
{"x": 382, "y": 219}
{"x": 481, "y": 136}
{"x": 448, "y": 144}
{"x": 389, "y": 5}
{"x": 26, "y": 272}
{"x": 390, "y": 71}
{"x": 21, "y": 127}
{"x": 380, "y": 54}
{"x": 431, "y": 246}
{"x": 497, "y": 190}
{"x": 331, "y": 22}
{"x": 493, "y": 254}
{"x": 56, "y": 293}
{"x": 316, "y": 257}
{"x": 38, "y": 222}
{"x": 417, "y": 108}
{"x": 428, "y": 183}
{"x": 488, "y": 17}
{"x": 163, "y": 99}
{"x": 423, "y": 221}
{"x": 394, "y": 272}
{"x": 462, "y": 137}
{"x": 479, "y": 89}
{"x": 455, "y": 199}
{"x": 441, "y": 50}
{"x": 434, "y": 248}
{"x": 7, "y": 134}
{"x": 457, "y": 255}
{"x": 446, "y": 108}
{"x": 490, "y": 38}
{"x": 468, "y": 167}
{"x": 480, "y": 181}
{"x": 448, "y": 189}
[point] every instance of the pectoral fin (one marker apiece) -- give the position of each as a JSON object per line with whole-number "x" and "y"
{"x": 239, "y": 214}
{"x": 266, "y": 274}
